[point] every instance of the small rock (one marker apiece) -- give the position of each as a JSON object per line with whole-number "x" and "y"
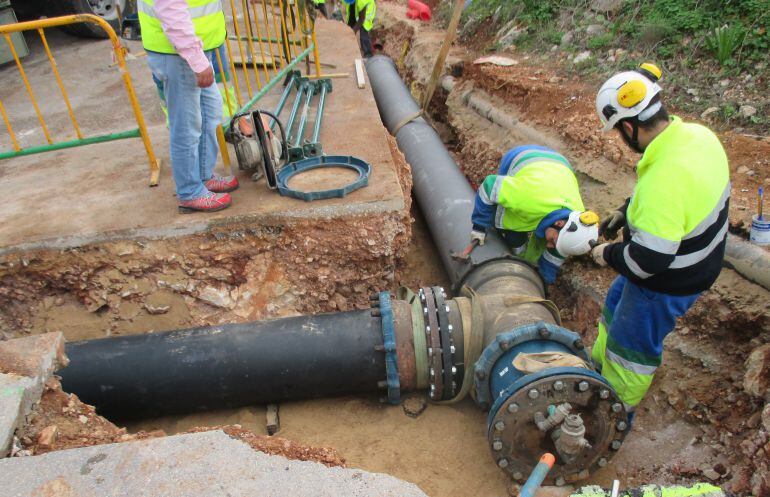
{"x": 708, "y": 112}
{"x": 595, "y": 30}
{"x": 742, "y": 170}
{"x": 747, "y": 111}
{"x": 155, "y": 310}
{"x": 414, "y": 406}
{"x": 756, "y": 381}
{"x": 554, "y": 79}
{"x": 582, "y": 57}
{"x": 510, "y": 36}
{"x": 567, "y": 38}
{"x": 692, "y": 91}
{"x": 724, "y": 83}
{"x": 47, "y": 437}
{"x": 711, "y": 474}
{"x": 606, "y": 6}
{"x": 218, "y": 297}
{"x": 766, "y": 417}
{"x": 754, "y": 420}
{"x": 83, "y": 419}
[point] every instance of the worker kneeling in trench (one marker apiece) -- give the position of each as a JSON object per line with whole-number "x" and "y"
{"x": 534, "y": 202}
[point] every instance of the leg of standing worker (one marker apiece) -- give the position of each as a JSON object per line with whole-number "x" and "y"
{"x": 184, "y": 112}
{"x": 630, "y": 344}
{"x": 366, "y": 42}
{"x": 211, "y": 117}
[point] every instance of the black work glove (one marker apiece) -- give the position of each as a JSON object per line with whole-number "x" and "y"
{"x": 611, "y": 224}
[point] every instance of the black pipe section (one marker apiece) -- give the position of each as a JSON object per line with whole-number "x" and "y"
{"x": 442, "y": 191}
{"x": 228, "y": 366}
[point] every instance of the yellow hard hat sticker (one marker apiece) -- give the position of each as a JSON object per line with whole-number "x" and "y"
{"x": 589, "y": 218}
{"x": 631, "y": 93}
{"x": 652, "y": 69}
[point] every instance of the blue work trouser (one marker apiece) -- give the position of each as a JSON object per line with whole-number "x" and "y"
{"x": 193, "y": 116}
{"x": 632, "y": 327}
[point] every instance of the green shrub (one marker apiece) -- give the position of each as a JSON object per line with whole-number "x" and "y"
{"x": 723, "y": 42}
{"x": 601, "y": 41}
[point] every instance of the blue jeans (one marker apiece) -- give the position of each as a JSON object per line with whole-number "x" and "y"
{"x": 193, "y": 116}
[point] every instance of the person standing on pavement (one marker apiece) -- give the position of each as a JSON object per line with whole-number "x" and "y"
{"x": 674, "y": 230}
{"x": 180, "y": 37}
{"x": 534, "y": 203}
{"x": 359, "y": 15}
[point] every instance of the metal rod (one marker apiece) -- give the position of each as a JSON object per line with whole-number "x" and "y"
{"x": 261, "y": 46}
{"x": 284, "y": 98}
{"x": 29, "y": 88}
{"x": 240, "y": 49}
{"x": 303, "y": 118}
{"x": 223, "y": 150}
{"x": 270, "y": 45}
{"x": 319, "y": 114}
{"x": 223, "y": 76}
{"x": 269, "y": 86}
{"x": 285, "y": 32}
{"x": 293, "y": 113}
{"x": 15, "y": 142}
{"x": 250, "y": 42}
{"x": 224, "y": 82}
{"x": 134, "y": 133}
{"x": 256, "y": 38}
{"x": 55, "y": 68}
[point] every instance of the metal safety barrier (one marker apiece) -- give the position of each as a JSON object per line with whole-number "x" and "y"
{"x": 267, "y": 40}
{"x": 139, "y": 132}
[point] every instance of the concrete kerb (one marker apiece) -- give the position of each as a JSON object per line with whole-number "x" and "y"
{"x": 26, "y": 364}
{"x": 208, "y": 463}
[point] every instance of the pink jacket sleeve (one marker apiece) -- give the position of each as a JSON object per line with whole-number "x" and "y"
{"x": 178, "y": 27}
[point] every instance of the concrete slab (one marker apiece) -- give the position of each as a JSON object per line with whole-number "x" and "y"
{"x": 99, "y": 192}
{"x": 209, "y": 463}
{"x": 26, "y": 364}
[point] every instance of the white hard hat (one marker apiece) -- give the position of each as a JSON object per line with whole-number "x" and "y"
{"x": 579, "y": 234}
{"x": 628, "y": 94}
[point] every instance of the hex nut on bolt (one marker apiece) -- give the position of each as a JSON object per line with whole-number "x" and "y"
{"x": 558, "y": 385}
{"x": 616, "y": 407}
{"x": 602, "y": 462}
{"x": 560, "y": 481}
{"x": 583, "y": 386}
{"x": 500, "y": 426}
{"x": 513, "y": 407}
{"x": 518, "y": 476}
{"x": 533, "y": 394}
{"x": 604, "y": 394}
{"x": 622, "y": 425}
{"x": 503, "y": 463}
{"x": 497, "y": 445}
{"x": 480, "y": 374}
{"x": 616, "y": 444}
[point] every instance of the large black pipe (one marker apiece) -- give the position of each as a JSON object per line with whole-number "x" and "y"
{"x": 228, "y": 366}
{"x": 442, "y": 191}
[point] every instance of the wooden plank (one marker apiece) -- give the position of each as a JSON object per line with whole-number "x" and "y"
{"x": 449, "y": 38}
{"x": 273, "y": 421}
{"x": 360, "y": 79}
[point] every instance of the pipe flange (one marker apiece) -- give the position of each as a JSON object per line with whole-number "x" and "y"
{"x": 512, "y": 435}
{"x": 447, "y": 347}
{"x": 391, "y": 353}
{"x": 505, "y": 341}
{"x": 435, "y": 370}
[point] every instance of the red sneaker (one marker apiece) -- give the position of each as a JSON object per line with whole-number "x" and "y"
{"x": 221, "y": 184}
{"x": 211, "y": 202}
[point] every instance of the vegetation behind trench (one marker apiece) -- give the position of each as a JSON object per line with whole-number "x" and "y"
{"x": 714, "y": 53}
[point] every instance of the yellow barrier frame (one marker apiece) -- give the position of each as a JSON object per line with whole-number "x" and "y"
{"x": 119, "y": 51}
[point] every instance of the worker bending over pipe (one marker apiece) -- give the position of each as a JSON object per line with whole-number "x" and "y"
{"x": 534, "y": 202}
{"x": 359, "y": 15}
{"x": 674, "y": 230}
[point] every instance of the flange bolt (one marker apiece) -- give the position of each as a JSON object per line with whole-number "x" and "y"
{"x": 500, "y": 426}
{"x": 503, "y": 463}
{"x": 513, "y": 407}
{"x": 533, "y": 394}
{"x": 604, "y": 394}
{"x": 583, "y": 386}
{"x": 616, "y": 407}
{"x": 616, "y": 444}
{"x": 497, "y": 445}
{"x": 558, "y": 385}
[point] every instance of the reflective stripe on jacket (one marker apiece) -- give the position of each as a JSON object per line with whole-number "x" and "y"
{"x": 207, "y": 17}
{"x": 371, "y": 10}
{"x": 677, "y": 218}
{"x": 539, "y": 181}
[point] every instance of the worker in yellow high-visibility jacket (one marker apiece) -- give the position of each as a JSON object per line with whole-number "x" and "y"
{"x": 180, "y": 37}
{"x": 359, "y": 15}
{"x": 674, "y": 230}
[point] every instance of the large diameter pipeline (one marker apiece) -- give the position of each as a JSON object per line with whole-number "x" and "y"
{"x": 440, "y": 188}
{"x": 228, "y": 366}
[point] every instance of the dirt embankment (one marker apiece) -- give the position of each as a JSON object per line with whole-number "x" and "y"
{"x": 61, "y": 421}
